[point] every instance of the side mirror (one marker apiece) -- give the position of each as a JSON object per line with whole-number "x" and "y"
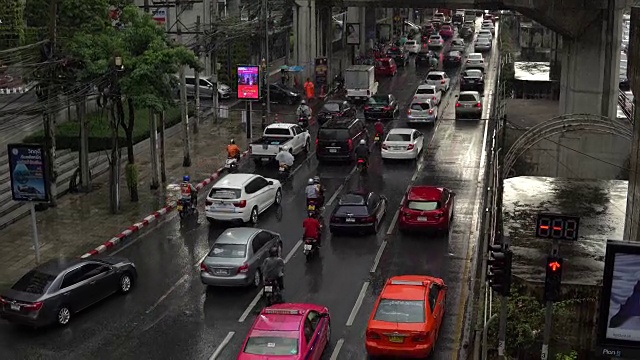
{"x": 324, "y": 315}
{"x": 270, "y": 183}
{"x": 453, "y": 193}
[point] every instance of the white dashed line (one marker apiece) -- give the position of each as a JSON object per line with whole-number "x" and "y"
{"x": 171, "y": 289}
{"x": 222, "y": 345}
{"x": 358, "y": 304}
{"x": 336, "y": 350}
{"x": 378, "y": 256}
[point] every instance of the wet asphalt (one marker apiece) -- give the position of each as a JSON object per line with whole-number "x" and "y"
{"x": 171, "y": 315}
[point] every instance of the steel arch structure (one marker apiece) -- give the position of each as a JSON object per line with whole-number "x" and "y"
{"x": 561, "y": 124}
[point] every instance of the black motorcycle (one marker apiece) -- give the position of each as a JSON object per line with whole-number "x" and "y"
{"x": 283, "y": 172}
{"x": 303, "y": 121}
{"x": 272, "y": 292}
{"x": 185, "y": 208}
{"x": 310, "y": 248}
{"x": 377, "y": 139}
{"x": 362, "y": 166}
{"x": 313, "y": 208}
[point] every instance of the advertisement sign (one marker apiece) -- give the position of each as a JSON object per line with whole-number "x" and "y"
{"x": 248, "y": 82}
{"x": 338, "y": 26}
{"x": 28, "y": 173}
{"x": 353, "y": 34}
{"x": 619, "y": 322}
{"x": 160, "y": 16}
{"x": 321, "y": 71}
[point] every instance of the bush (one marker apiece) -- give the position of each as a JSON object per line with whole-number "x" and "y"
{"x": 68, "y": 133}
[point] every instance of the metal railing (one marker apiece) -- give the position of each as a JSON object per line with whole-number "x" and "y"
{"x": 626, "y": 105}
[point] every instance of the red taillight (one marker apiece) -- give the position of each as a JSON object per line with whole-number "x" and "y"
{"x": 430, "y": 111}
{"x": 457, "y": 104}
{"x": 420, "y": 338}
{"x": 208, "y": 202}
{"x": 438, "y": 215}
{"x": 33, "y": 306}
{"x": 410, "y": 147}
{"x": 316, "y": 142}
{"x": 442, "y": 81}
{"x": 384, "y": 146}
{"x": 386, "y": 108}
{"x": 360, "y": 161}
{"x": 372, "y": 335}
{"x": 409, "y": 112}
{"x": 434, "y": 98}
{"x": 203, "y": 267}
{"x": 240, "y": 204}
{"x": 430, "y": 40}
{"x": 3, "y": 300}
{"x": 369, "y": 219}
{"x": 350, "y": 144}
{"x": 479, "y": 105}
{"x": 244, "y": 268}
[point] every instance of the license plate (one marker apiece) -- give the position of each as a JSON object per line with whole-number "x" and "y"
{"x": 376, "y": 138}
{"x": 468, "y": 106}
{"x": 396, "y": 339}
{"x": 179, "y": 207}
{"x": 350, "y": 220}
{"x": 422, "y": 218}
{"x": 397, "y": 148}
{"x": 333, "y": 150}
{"x": 311, "y": 207}
{"x": 265, "y": 159}
{"x": 268, "y": 288}
{"x": 15, "y": 307}
{"x": 221, "y": 272}
{"x": 308, "y": 246}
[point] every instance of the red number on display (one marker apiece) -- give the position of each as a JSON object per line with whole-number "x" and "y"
{"x": 570, "y": 229}
{"x": 544, "y": 227}
{"x": 557, "y": 228}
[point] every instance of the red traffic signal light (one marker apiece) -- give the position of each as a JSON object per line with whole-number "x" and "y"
{"x": 554, "y": 266}
{"x": 553, "y": 279}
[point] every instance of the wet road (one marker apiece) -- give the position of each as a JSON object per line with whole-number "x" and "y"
{"x": 170, "y": 315}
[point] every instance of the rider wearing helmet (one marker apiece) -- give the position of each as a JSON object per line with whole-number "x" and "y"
{"x": 311, "y": 191}
{"x": 379, "y": 126}
{"x": 188, "y": 191}
{"x": 320, "y": 190}
{"x": 284, "y": 157}
{"x": 273, "y": 268}
{"x": 303, "y": 110}
{"x": 362, "y": 151}
{"x": 233, "y": 151}
{"x": 312, "y": 228}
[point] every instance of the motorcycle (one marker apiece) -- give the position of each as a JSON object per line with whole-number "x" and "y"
{"x": 377, "y": 139}
{"x": 272, "y": 294}
{"x": 310, "y": 248}
{"x": 314, "y": 209}
{"x": 185, "y": 208}
{"x": 362, "y": 166}
{"x": 303, "y": 121}
{"x": 283, "y": 172}
{"x": 231, "y": 164}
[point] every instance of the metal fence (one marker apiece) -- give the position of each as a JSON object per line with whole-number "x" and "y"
{"x": 626, "y": 105}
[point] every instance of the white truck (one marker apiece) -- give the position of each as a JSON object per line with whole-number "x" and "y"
{"x": 360, "y": 82}
{"x": 278, "y": 135}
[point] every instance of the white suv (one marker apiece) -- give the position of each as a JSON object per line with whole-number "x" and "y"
{"x": 242, "y": 197}
{"x": 440, "y": 79}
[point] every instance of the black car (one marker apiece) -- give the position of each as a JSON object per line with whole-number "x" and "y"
{"x": 283, "y": 94}
{"x": 423, "y": 56}
{"x": 472, "y": 80}
{"x": 338, "y": 137}
{"x": 457, "y": 19}
{"x": 358, "y": 212}
{"x": 452, "y": 59}
{"x": 427, "y": 30}
{"x": 381, "y": 107}
{"x": 52, "y": 292}
{"x": 466, "y": 32}
{"x": 335, "y": 108}
{"x": 399, "y": 55}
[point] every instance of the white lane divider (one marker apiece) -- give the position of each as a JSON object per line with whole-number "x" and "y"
{"x": 171, "y": 289}
{"x": 336, "y": 350}
{"x": 335, "y": 194}
{"x": 222, "y": 345}
{"x": 255, "y": 300}
{"x": 378, "y": 257}
{"x": 358, "y": 304}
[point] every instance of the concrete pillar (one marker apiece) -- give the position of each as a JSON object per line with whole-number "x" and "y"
{"x": 305, "y": 30}
{"x": 584, "y": 81}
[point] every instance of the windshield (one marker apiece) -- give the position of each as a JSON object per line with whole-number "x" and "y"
{"x": 399, "y": 137}
{"x": 472, "y": 73}
{"x": 400, "y": 311}
{"x": 331, "y": 107}
{"x": 423, "y": 205}
{"x": 434, "y": 77}
{"x": 410, "y": 42}
{"x": 34, "y": 282}
{"x": 378, "y": 100}
{"x": 224, "y": 193}
{"x": 271, "y": 345}
{"x": 427, "y": 91}
{"x": 272, "y": 131}
{"x": 356, "y": 210}
{"x": 434, "y": 38}
{"x": 333, "y": 134}
{"x": 420, "y": 106}
{"x": 228, "y": 251}
{"x": 467, "y": 98}
{"x": 475, "y": 57}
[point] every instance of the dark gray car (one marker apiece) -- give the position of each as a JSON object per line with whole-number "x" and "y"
{"x": 55, "y": 290}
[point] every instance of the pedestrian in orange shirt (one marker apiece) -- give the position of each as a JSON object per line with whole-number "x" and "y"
{"x": 309, "y": 89}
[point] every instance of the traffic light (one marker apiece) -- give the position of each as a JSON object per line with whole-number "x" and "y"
{"x": 499, "y": 274}
{"x": 553, "y": 279}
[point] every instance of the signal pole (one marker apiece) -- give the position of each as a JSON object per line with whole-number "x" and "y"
{"x": 49, "y": 113}
{"x": 548, "y": 312}
{"x": 197, "y": 78}
{"x": 184, "y": 109}
{"x": 500, "y": 281}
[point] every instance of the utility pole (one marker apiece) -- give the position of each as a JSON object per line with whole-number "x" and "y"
{"x": 163, "y": 163}
{"x": 197, "y": 78}
{"x": 49, "y": 113}
{"x": 213, "y": 55}
{"x": 153, "y": 146}
{"x": 266, "y": 49}
{"x": 184, "y": 109}
{"x": 113, "y": 93}
{"x": 81, "y": 114}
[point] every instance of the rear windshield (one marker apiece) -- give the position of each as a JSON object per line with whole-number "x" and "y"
{"x": 34, "y": 282}
{"x": 333, "y": 134}
{"x": 423, "y": 205}
{"x": 434, "y": 77}
{"x": 400, "y": 311}
{"x": 399, "y": 137}
{"x": 271, "y": 345}
{"x": 277, "y": 132}
{"x": 378, "y": 100}
{"x": 228, "y": 251}
{"x": 472, "y": 73}
{"x": 467, "y": 97}
{"x": 224, "y": 193}
{"x": 420, "y": 106}
{"x": 394, "y": 51}
{"x": 434, "y": 38}
{"x": 357, "y": 210}
{"x": 426, "y": 91}
{"x": 410, "y": 42}
{"x": 331, "y": 107}
{"x": 475, "y": 57}
{"x": 457, "y": 42}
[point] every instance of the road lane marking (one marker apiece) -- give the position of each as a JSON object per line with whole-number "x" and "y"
{"x": 394, "y": 220}
{"x": 339, "y": 190}
{"x": 378, "y": 256}
{"x": 293, "y": 251}
{"x": 306, "y": 160}
{"x": 222, "y": 345}
{"x": 358, "y": 304}
{"x": 171, "y": 289}
{"x": 336, "y": 350}
{"x": 201, "y": 260}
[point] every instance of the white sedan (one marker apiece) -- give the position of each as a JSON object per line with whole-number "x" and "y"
{"x": 242, "y": 197}
{"x": 402, "y": 144}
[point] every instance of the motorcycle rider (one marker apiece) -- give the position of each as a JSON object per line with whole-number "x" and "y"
{"x": 320, "y": 190}
{"x": 379, "y": 127}
{"x": 304, "y": 110}
{"x": 312, "y": 193}
{"x": 233, "y": 151}
{"x": 312, "y": 228}
{"x": 188, "y": 191}
{"x": 273, "y": 268}
{"x": 433, "y": 62}
{"x": 362, "y": 152}
{"x": 284, "y": 157}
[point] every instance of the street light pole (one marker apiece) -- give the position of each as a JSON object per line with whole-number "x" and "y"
{"x": 265, "y": 89}
{"x": 266, "y": 50}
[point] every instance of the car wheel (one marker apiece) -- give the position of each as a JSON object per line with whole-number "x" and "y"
{"x": 211, "y": 221}
{"x": 125, "y": 283}
{"x": 278, "y": 199}
{"x": 307, "y": 147}
{"x": 253, "y": 218}
{"x": 64, "y": 316}
{"x": 257, "y": 278}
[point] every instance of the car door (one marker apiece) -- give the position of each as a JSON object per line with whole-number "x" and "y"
{"x": 260, "y": 247}
{"x": 418, "y": 140}
{"x": 314, "y": 334}
{"x": 434, "y": 310}
{"x": 101, "y": 282}
{"x": 206, "y": 88}
{"x": 375, "y": 205}
{"x": 76, "y": 293}
{"x": 262, "y": 193}
{"x": 299, "y": 138}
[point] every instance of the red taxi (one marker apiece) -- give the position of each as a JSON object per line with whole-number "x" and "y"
{"x": 427, "y": 207}
{"x": 407, "y": 316}
{"x": 386, "y": 67}
{"x": 288, "y": 331}
{"x": 446, "y": 31}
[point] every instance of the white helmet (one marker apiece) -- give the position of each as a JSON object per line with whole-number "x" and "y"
{"x": 362, "y": 142}
{"x": 303, "y": 102}
{"x": 285, "y": 148}
{"x": 310, "y": 182}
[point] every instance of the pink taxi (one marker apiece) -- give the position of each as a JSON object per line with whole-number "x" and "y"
{"x": 288, "y": 331}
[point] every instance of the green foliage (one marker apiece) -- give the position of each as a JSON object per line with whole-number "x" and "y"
{"x": 12, "y": 29}
{"x": 131, "y": 175}
{"x": 72, "y": 15}
{"x": 572, "y": 355}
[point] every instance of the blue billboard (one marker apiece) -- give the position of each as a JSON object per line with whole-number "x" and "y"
{"x": 28, "y": 172}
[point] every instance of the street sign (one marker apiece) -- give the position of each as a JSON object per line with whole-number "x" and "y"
{"x": 28, "y": 173}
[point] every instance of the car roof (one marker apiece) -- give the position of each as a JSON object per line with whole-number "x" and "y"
{"x": 59, "y": 265}
{"x": 426, "y": 86}
{"x": 339, "y": 123}
{"x": 401, "y": 131}
{"x": 281, "y": 125}
{"x": 234, "y": 180}
{"x": 474, "y": 71}
{"x": 455, "y": 52}
{"x": 283, "y": 317}
{"x": 239, "y": 235}
{"x": 436, "y": 73}
{"x": 469, "y": 93}
{"x": 424, "y": 193}
{"x": 406, "y": 287}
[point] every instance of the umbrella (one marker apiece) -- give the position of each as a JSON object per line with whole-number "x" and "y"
{"x": 296, "y": 68}
{"x": 284, "y": 67}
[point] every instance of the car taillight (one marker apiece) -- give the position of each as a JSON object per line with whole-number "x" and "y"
{"x": 369, "y": 219}
{"x": 3, "y": 300}
{"x": 442, "y": 81}
{"x": 372, "y": 335}
{"x": 208, "y": 202}
{"x": 385, "y": 146}
{"x": 350, "y": 144}
{"x": 203, "y": 267}
{"x": 240, "y": 204}
{"x": 33, "y": 306}
{"x": 244, "y": 268}
{"x": 420, "y": 338}
{"x": 438, "y": 215}
{"x": 386, "y": 108}
{"x": 410, "y": 147}
{"x": 316, "y": 142}
{"x": 457, "y": 104}
{"x": 434, "y": 98}
{"x": 479, "y": 105}
{"x": 430, "y": 111}
{"x": 367, "y": 107}
{"x": 409, "y": 112}
{"x": 429, "y": 40}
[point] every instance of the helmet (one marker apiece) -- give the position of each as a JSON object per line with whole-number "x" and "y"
{"x": 303, "y": 102}
{"x": 362, "y": 142}
{"x": 316, "y": 179}
{"x": 273, "y": 252}
{"x": 232, "y": 142}
{"x": 186, "y": 178}
{"x": 281, "y": 148}
{"x": 285, "y": 148}
{"x": 310, "y": 181}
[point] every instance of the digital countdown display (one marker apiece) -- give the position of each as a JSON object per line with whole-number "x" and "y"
{"x": 248, "y": 82}
{"x": 558, "y": 227}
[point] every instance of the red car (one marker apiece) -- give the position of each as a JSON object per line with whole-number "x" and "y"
{"x": 386, "y": 67}
{"x": 446, "y": 31}
{"x": 427, "y": 207}
{"x": 288, "y": 331}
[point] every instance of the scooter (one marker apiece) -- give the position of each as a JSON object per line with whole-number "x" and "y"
{"x": 377, "y": 139}
{"x": 185, "y": 208}
{"x": 310, "y": 248}
{"x": 231, "y": 164}
{"x": 362, "y": 166}
{"x": 272, "y": 293}
{"x": 314, "y": 209}
{"x": 303, "y": 121}
{"x": 283, "y": 172}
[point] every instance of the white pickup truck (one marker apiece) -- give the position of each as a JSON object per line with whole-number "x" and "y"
{"x": 277, "y": 135}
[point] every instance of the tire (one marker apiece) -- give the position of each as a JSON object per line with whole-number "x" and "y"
{"x": 257, "y": 279}
{"x": 253, "y": 218}
{"x": 307, "y": 147}
{"x": 125, "y": 283}
{"x": 308, "y": 256}
{"x": 278, "y": 199}
{"x": 63, "y": 316}
{"x": 211, "y": 221}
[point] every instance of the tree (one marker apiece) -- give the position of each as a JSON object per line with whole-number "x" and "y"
{"x": 12, "y": 28}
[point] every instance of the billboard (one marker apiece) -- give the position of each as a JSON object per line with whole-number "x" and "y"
{"x": 160, "y": 16}
{"x": 28, "y": 172}
{"x": 619, "y": 322}
{"x": 353, "y": 34}
{"x": 248, "y": 82}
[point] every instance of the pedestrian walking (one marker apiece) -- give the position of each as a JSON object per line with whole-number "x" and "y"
{"x": 309, "y": 89}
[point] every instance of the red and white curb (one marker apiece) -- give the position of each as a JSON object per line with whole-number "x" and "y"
{"x": 149, "y": 219}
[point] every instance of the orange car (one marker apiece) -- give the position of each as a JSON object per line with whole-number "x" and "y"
{"x": 406, "y": 318}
